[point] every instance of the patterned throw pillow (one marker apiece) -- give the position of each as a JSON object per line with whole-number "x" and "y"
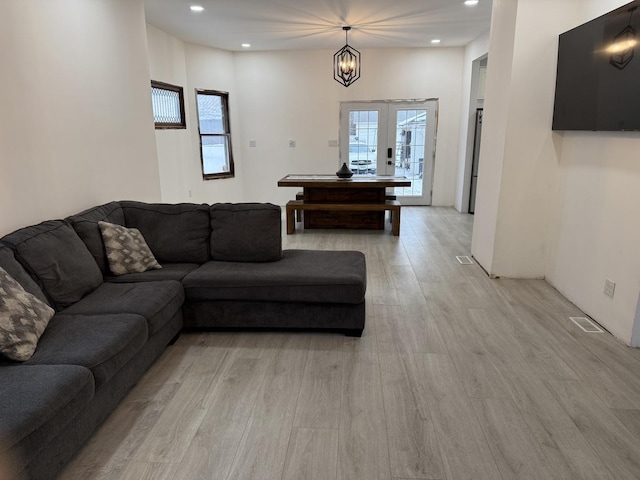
{"x": 127, "y": 251}
{"x": 23, "y": 318}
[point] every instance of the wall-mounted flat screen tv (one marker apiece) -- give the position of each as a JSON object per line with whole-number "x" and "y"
{"x": 598, "y": 80}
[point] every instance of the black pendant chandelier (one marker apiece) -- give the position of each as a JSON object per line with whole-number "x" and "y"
{"x": 346, "y": 62}
{"x": 623, "y": 45}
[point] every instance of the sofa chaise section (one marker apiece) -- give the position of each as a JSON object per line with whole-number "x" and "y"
{"x": 305, "y": 289}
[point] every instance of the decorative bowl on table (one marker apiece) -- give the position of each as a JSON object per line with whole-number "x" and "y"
{"x": 344, "y": 172}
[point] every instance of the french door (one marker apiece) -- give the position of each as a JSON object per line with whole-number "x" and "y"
{"x": 391, "y": 138}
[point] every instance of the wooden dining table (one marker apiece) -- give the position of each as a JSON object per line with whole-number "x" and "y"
{"x": 359, "y": 202}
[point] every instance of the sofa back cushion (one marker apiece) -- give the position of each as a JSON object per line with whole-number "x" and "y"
{"x": 53, "y": 254}
{"x": 86, "y": 226}
{"x": 246, "y": 232}
{"x": 17, "y": 271}
{"x": 174, "y": 233}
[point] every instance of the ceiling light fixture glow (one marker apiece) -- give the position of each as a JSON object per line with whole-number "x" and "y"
{"x": 245, "y": 45}
{"x": 196, "y": 8}
{"x": 470, "y": 3}
{"x": 436, "y": 41}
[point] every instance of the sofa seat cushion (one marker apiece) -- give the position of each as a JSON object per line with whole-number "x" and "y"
{"x": 38, "y": 401}
{"x": 53, "y": 254}
{"x": 156, "y": 301}
{"x": 169, "y": 271}
{"x": 300, "y": 276}
{"x": 101, "y": 343}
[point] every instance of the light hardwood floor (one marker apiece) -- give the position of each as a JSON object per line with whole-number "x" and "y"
{"x": 456, "y": 377}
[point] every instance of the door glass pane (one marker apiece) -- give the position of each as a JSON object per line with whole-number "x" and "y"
{"x": 363, "y": 141}
{"x": 214, "y": 154}
{"x": 410, "y": 149}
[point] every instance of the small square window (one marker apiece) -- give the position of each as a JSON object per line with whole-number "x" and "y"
{"x": 168, "y": 105}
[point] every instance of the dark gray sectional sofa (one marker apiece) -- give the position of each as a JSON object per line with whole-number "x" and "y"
{"x": 223, "y": 267}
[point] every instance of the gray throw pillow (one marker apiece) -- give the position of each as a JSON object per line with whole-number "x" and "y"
{"x": 23, "y": 318}
{"x": 127, "y": 251}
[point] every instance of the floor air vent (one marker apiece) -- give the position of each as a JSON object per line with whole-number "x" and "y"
{"x": 464, "y": 259}
{"x": 586, "y": 325}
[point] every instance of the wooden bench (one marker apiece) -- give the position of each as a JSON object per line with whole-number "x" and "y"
{"x": 300, "y": 196}
{"x": 295, "y": 206}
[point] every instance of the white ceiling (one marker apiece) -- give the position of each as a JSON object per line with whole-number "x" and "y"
{"x": 317, "y": 24}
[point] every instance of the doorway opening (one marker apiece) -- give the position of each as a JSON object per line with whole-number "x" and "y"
{"x": 474, "y": 135}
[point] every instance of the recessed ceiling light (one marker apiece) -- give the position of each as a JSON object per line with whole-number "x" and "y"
{"x": 196, "y": 8}
{"x": 470, "y": 3}
{"x": 435, "y": 40}
{"x": 245, "y": 45}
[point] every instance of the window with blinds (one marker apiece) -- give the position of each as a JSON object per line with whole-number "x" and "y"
{"x": 168, "y": 105}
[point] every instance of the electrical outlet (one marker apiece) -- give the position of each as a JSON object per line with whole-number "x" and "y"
{"x": 252, "y": 143}
{"x": 292, "y": 143}
{"x": 609, "y": 287}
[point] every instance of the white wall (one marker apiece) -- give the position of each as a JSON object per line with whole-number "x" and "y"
{"x": 76, "y": 126}
{"x": 280, "y": 96}
{"x": 530, "y": 169}
{"x": 494, "y": 131}
{"x": 596, "y": 227}
{"x": 193, "y": 67}
{"x": 167, "y": 63}
{"x": 292, "y": 95}
{"x": 472, "y": 52}
{"x": 597, "y": 233}
{"x": 283, "y": 98}
{"x": 519, "y": 156}
{"x": 211, "y": 69}
{"x": 557, "y": 205}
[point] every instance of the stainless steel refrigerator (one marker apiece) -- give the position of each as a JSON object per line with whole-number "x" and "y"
{"x": 475, "y": 161}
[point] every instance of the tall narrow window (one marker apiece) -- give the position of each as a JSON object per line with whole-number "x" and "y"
{"x": 215, "y": 134}
{"x": 168, "y": 105}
